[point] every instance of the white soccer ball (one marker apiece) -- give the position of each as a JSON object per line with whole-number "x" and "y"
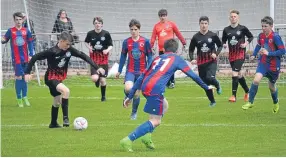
{"x": 80, "y": 123}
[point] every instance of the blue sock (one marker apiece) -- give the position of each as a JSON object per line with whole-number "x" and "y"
{"x": 275, "y": 96}
{"x": 136, "y": 102}
{"x": 24, "y": 88}
{"x": 18, "y": 87}
{"x": 252, "y": 92}
{"x": 140, "y": 131}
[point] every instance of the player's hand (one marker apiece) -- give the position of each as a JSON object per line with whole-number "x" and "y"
{"x": 243, "y": 45}
{"x": 224, "y": 46}
{"x": 117, "y": 75}
{"x": 194, "y": 62}
{"x": 27, "y": 78}
{"x": 263, "y": 51}
{"x": 3, "y": 39}
{"x": 105, "y": 51}
{"x": 213, "y": 55}
{"x": 211, "y": 87}
{"x": 100, "y": 71}
{"x": 29, "y": 58}
{"x": 252, "y": 57}
{"x": 126, "y": 103}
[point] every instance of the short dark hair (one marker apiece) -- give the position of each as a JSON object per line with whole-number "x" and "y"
{"x": 162, "y": 12}
{"x": 99, "y": 19}
{"x": 204, "y": 18}
{"x": 171, "y": 45}
{"x": 18, "y": 14}
{"x": 60, "y": 12}
{"x": 66, "y": 36}
{"x": 267, "y": 20}
{"x": 134, "y": 22}
{"x": 234, "y": 11}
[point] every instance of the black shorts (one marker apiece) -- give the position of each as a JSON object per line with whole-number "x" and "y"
{"x": 105, "y": 68}
{"x": 161, "y": 52}
{"x": 207, "y": 70}
{"x": 236, "y": 65}
{"x": 52, "y": 84}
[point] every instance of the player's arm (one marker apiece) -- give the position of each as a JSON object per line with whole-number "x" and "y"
{"x": 39, "y": 56}
{"x": 109, "y": 43}
{"x": 224, "y": 36}
{"x": 280, "y": 45}
{"x": 249, "y": 35}
{"x": 218, "y": 44}
{"x": 257, "y": 47}
{"x": 192, "y": 47}
{"x": 6, "y": 37}
{"x": 30, "y": 43}
{"x": 184, "y": 67}
{"x": 123, "y": 56}
{"x": 179, "y": 34}
{"x": 153, "y": 37}
{"x": 148, "y": 51}
{"x": 80, "y": 54}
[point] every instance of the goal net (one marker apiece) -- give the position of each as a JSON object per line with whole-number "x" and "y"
{"x": 116, "y": 16}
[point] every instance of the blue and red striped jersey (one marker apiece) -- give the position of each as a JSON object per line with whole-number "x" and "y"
{"x": 274, "y": 45}
{"x": 21, "y": 41}
{"x": 139, "y": 55}
{"x": 153, "y": 81}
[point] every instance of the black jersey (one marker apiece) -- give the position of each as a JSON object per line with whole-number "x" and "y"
{"x": 235, "y": 37}
{"x": 58, "y": 60}
{"x": 99, "y": 41}
{"x": 206, "y": 45}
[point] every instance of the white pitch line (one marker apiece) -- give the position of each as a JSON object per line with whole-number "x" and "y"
{"x": 167, "y": 125}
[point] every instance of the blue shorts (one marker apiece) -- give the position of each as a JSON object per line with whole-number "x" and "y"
{"x": 131, "y": 77}
{"x": 154, "y": 104}
{"x": 266, "y": 72}
{"x": 20, "y": 69}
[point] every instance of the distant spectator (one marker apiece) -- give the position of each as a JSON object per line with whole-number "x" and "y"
{"x": 32, "y": 30}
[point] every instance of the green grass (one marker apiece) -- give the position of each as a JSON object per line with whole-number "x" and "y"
{"x": 190, "y": 127}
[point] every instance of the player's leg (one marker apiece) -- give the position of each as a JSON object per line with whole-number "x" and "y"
{"x": 94, "y": 76}
{"x": 24, "y": 86}
{"x": 135, "y": 105}
{"x": 128, "y": 82}
{"x": 52, "y": 84}
{"x": 154, "y": 106}
{"x": 235, "y": 71}
{"x": 242, "y": 80}
{"x": 272, "y": 77}
{"x": 65, "y": 92}
{"x": 202, "y": 73}
{"x": 211, "y": 76}
{"x": 260, "y": 71}
{"x": 18, "y": 83}
{"x": 103, "y": 83}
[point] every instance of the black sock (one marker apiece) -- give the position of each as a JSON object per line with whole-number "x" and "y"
{"x": 213, "y": 81}
{"x": 103, "y": 90}
{"x": 65, "y": 107}
{"x": 97, "y": 83}
{"x": 243, "y": 84}
{"x": 210, "y": 95}
{"x": 54, "y": 115}
{"x": 234, "y": 85}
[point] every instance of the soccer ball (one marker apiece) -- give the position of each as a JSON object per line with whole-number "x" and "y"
{"x": 80, "y": 123}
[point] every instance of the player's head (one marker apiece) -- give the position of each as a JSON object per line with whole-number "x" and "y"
{"x": 267, "y": 24}
{"x": 171, "y": 45}
{"x": 98, "y": 23}
{"x": 18, "y": 19}
{"x": 134, "y": 26}
{"x": 62, "y": 14}
{"x": 163, "y": 13}
{"x": 65, "y": 40}
{"x": 204, "y": 23}
{"x": 234, "y": 16}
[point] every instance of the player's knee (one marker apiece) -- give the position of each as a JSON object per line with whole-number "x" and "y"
{"x": 94, "y": 78}
{"x": 18, "y": 77}
{"x": 256, "y": 81}
{"x": 127, "y": 89}
{"x": 155, "y": 122}
{"x": 272, "y": 87}
{"x": 56, "y": 105}
{"x": 102, "y": 81}
{"x": 66, "y": 92}
{"x": 137, "y": 94}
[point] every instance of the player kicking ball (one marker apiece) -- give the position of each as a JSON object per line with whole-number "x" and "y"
{"x": 271, "y": 48}
{"x": 153, "y": 83}
{"x": 58, "y": 58}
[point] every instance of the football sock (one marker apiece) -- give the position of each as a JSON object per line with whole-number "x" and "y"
{"x": 146, "y": 127}
{"x": 135, "y": 104}
{"x": 274, "y": 96}
{"x": 18, "y": 87}
{"x": 65, "y": 107}
{"x": 252, "y": 92}
{"x": 234, "y": 85}
{"x": 243, "y": 84}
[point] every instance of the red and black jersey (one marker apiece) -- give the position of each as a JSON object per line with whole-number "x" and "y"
{"x": 58, "y": 61}
{"x": 206, "y": 45}
{"x": 235, "y": 37}
{"x": 99, "y": 42}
